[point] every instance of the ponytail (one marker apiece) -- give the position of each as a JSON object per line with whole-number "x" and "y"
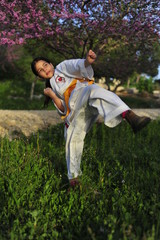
{"x": 47, "y": 98}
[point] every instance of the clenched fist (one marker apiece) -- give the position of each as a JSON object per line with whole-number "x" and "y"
{"x": 90, "y": 58}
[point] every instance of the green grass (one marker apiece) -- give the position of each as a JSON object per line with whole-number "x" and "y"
{"x": 124, "y": 168}
{"x": 15, "y": 95}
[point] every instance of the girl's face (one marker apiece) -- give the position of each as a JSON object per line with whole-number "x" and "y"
{"x": 44, "y": 69}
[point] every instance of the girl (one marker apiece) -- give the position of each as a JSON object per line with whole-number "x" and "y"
{"x": 79, "y": 101}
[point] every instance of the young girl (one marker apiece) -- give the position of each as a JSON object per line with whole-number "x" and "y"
{"x": 79, "y": 101}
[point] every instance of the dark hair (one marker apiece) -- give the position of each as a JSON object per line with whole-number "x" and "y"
{"x": 47, "y": 98}
{"x": 47, "y": 81}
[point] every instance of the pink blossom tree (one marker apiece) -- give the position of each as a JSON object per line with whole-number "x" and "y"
{"x": 112, "y": 28}
{"x": 71, "y": 27}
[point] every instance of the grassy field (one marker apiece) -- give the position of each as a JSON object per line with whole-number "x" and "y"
{"x": 119, "y": 197}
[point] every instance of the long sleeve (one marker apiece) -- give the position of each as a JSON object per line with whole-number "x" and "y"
{"x": 75, "y": 68}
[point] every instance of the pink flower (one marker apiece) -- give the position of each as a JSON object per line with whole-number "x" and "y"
{"x": 20, "y": 41}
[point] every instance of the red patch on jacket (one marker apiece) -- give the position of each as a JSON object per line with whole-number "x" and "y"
{"x": 60, "y": 79}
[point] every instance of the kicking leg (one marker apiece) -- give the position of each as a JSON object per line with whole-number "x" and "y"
{"x": 113, "y": 109}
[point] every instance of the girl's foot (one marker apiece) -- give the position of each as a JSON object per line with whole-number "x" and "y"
{"x": 137, "y": 123}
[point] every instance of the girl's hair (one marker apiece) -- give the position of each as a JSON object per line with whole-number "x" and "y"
{"x": 47, "y": 81}
{"x": 47, "y": 98}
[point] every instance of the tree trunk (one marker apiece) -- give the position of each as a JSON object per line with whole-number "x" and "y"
{"x": 115, "y": 89}
{"x": 138, "y": 78}
{"x": 107, "y": 83}
{"x": 128, "y": 83}
{"x": 32, "y": 88}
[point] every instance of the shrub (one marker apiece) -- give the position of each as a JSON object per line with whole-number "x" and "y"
{"x": 145, "y": 84}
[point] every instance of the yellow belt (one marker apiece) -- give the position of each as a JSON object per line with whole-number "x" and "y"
{"x": 69, "y": 90}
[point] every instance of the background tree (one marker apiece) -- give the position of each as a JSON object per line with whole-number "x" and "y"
{"x": 121, "y": 61}
{"x": 72, "y": 27}
{"x": 8, "y": 54}
{"x": 64, "y": 25}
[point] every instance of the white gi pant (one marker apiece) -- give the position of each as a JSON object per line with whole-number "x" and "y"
{"x": 86, "y": 103}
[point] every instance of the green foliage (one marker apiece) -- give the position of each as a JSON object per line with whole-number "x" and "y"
{"x": 133, "y": 77}
{"x": 118, "y": 199}
{"x": 14, "y": 95}
{"x": 145, "y": 84}
{"x": 139, "y": 102}
{"x": 36, "y": 48}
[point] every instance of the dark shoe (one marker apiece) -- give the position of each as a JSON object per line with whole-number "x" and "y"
{"x": 136, "y": 122}
{"x": 73, "y": 184}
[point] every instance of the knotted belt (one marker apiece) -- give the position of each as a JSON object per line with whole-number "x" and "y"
{"x": 69, "y": 90}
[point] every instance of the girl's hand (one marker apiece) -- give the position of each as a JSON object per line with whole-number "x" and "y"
{"x": 48, "y": 92}
{"x": 90, "y": 58}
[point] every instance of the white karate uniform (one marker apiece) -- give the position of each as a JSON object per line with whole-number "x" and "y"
{"x": 86, "y": 103}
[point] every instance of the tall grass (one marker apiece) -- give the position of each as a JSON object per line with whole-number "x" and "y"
{"x": 119, "y": 197}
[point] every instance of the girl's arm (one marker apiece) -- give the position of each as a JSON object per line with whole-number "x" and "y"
{"x": 57, "y": 101}
{"x": 78, "y": 68}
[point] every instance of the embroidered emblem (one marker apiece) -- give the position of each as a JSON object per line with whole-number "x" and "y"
{"x": 60, "y": 79}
